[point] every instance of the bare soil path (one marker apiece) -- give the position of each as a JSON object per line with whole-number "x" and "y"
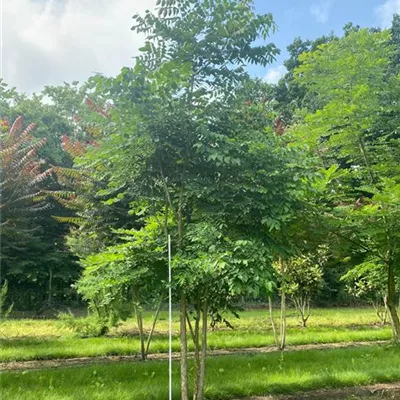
{"x": 72, "y": 362}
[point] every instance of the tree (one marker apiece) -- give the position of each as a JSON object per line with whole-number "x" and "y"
{"x": 368, "y": 280}
{"x": 29, "y": 253}
{"x": 350, "y": 77}
{"x": 184, "y": 142}
{"x": 304, "y": 277}
{"x": 20, "y": 187}
{"x": 125, "y": 275}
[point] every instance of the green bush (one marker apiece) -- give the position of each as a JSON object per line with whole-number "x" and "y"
{"x": 90, "y": 326}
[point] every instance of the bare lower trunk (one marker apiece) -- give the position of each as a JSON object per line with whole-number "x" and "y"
{"x": 283, "y": 307}
{"x": 139, "y": 319}
{"x": 271, "y": 317}
{"x": 304, "y": 312}
{"x": 184, "y": 350}
{"x": 385, "y": 315}
{"x": 391, "y": 303}
{"x": 50, "y": 294}
{"x": 283, "y": 320}
{"x": 196, "y": 341}
{"x": 203, "y": 356}
{"x": 153, "y": 328}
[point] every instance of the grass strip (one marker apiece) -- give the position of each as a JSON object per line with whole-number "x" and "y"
{"x": 227, "y": 377}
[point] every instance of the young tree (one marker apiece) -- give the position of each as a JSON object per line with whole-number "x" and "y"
{"x": 184, "y": 142}
{"x": 368, "y": 280}
{"x": 304, "y": 277}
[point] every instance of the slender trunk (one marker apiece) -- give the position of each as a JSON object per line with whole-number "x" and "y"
{"x": 184, "y": 350}
{"x": 385, "y": 315}
{"x": 190, "y": 326}
{"x": 305, "y": 312}
{"x": 196, "y": 342}
{"x": 139, "y": 319}
{"x": 203, "y": 356}
{"x": 271, "y": 317}
{"x": 283, "y": 307}
{"x": 303, "y": 315}
{"x": 50, "y": 294}
{"x": 391, "y": 303}
{"x": 153, "y": 328}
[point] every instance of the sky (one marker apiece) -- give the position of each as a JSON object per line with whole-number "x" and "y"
{"x": 48, "y": 42}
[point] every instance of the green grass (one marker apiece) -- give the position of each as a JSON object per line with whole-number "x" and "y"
{"x": 47, "y": 339}
{"x": 249, "y": 320}
{"x": 227, "y": 377}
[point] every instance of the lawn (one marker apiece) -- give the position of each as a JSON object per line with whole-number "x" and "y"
{"x": 252, "y": 375}
{"x": 47, "y": 339}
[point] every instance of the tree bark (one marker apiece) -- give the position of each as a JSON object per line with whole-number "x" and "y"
{"x": 153, "y": 328}
{"x": 391, "y": 303}
{"x": 50, "y": 294}
{"x": 139, "y": 319}
{"x": 184, "y": 350}
{"x": 196, "y": 341}
{"x": 203, "y": 356}
{"x": 283, "y": 307}
{"x": 271, "y": 317}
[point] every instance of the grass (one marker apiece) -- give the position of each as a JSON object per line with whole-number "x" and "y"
{"x": 48, "y": 339}
{"x": 227, "y": 377}
{"x": 39, "y": 349}
{"x": 254, "y": 320}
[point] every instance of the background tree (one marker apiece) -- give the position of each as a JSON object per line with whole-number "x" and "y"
{"x": 353, "y": 85}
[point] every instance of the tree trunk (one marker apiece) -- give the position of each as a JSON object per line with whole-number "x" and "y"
{"x": 391, "y": 303}
{"x": 385, "y": 315}
{"x": 184, "y": 350}
{"x": 139, "y": 319}
{"x": 304, "y": 311}
{"x": 203, "y": 355}
{"x": 271, "y": 317}
{"x": 50, "y": 294}
{"x": 196, "y": 341}
{"x": 283, "y": 307}
{"x": 153, "y": 328}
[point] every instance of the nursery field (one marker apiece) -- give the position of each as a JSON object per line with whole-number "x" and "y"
{"x": 228, "y": 376}
{"x": 30, "y": 339}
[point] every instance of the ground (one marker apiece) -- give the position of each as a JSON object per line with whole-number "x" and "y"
{"x": 255, "y": 372}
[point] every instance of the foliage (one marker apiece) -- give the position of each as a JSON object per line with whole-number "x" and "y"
{"x": 350, "y": 76}
{"x": 109, "y": 276}
{"x": 90, "y": 326}
{"x": 368, "y": 280}
{"x": 304, "y": 276}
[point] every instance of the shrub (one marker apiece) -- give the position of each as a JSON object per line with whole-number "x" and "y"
{"x": 90, "y": 326}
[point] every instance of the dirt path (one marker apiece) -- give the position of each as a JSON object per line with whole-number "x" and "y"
{"x": 378, "y": 391}
{"x": 71, "y": 362}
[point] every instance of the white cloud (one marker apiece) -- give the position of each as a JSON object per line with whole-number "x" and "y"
{"x": 321, "y": 10}
{"x": 274, "y": 74}
{"x": 385, "y": 12}
{"x": 46, "y": 42}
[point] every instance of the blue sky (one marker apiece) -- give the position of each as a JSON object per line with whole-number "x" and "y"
{"x": 313, "y": 18}
{"x": 47, "y": 42}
